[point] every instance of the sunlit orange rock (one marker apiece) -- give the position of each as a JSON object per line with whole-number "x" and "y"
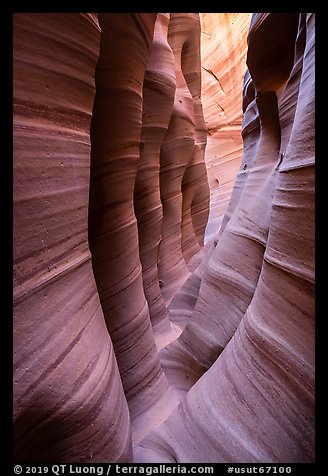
{"x": 224, "y": 48}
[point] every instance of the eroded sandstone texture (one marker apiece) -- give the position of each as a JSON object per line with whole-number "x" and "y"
{"x": 247, "y": 350}
{"x": 69, "y": 403}
{"x": 224, "y": 49}
{"x": 131, "y": 341}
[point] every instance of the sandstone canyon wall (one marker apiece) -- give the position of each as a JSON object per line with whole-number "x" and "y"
{"x": 224, "y": 49}
{"x": 246, "y": 354}
{"x": 66, "y": 377}
{"x": 133, "y": 342}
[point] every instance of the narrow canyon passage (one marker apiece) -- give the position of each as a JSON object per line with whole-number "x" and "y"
{"x": 164, "y": 237}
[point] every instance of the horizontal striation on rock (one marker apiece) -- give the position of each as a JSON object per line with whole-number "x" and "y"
{"x": 228, "y": 282}
{"x": 185, "y": 205}
{"x": 113, "y": 231}
{"x": 158, "y": 99}
{"x": 262, "y": 373}
{"x": 195, "y": 189}
{"x": 151, "y": 347}
{"x": 224, "y": 49}
{"x": 64, "y": 384}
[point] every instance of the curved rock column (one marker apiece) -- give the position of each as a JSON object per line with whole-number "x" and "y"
{"x": 287, "y": 101}
{"x": 176, "y": 152}
{"x": 195, "y": 192}
{"x": 256, "y": 402}
{"x": 158, "y": 99}
{"x": 113, "y": 232}
{"x": 224, "y": 49}
{"x": 229, "y": 282}
{"x": 250, "y": 136}
{"x": 195, "y": 188}
{"x": 69, "y": 404}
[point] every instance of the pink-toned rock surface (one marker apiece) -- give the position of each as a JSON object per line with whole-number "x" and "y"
{"x": 224, "y": 48}
{"x": 71, "y": 187}
{"x": 157, "y": 349}
{"x": 113, "y": 231}
{"x": 184, "y": 199}
{"x": 247, "y": 350}
{"x": 158, "y": 99}
{"x": 69, "y": 403}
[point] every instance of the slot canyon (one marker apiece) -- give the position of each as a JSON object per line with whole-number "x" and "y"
{"x": 163, "y": 234}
